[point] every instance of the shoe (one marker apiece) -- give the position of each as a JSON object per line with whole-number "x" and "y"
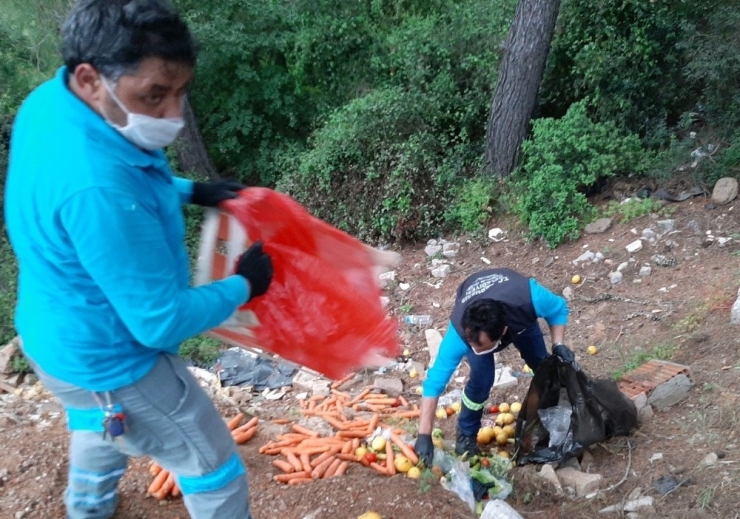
{"x": 467, "y": 444}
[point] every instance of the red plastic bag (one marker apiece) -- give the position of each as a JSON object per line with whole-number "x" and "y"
{"x": 323, "y": 308}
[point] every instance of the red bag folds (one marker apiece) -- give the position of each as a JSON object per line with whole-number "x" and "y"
{"x": 323, "y": 307}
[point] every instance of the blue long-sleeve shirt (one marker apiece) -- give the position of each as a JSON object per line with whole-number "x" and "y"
{"x": 96, "y": 224}
{"x": 548, "y": 306}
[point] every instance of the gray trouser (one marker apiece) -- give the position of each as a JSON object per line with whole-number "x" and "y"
{"x": 168, "y": 418}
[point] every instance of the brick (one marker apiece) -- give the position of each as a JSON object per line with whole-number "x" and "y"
{"x": 664, "y": 383}
{"x": 582, "y": 482}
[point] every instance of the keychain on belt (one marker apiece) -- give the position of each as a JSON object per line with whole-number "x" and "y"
{"x": 113, "y": 421}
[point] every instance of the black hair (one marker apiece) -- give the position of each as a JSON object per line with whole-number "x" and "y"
{"x": 484, "y": 315}
{"x": 114, "y": 36}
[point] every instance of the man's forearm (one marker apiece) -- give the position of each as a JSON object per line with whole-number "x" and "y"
{"x": 426, "y": 419}
{"x": 557, "y": 334}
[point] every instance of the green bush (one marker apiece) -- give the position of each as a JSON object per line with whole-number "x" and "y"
{"x": 472, "y": 203}
{"x": 563, "y": 158}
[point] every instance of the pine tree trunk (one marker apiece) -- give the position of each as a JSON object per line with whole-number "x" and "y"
{"x": 520, "y": 74}
{"x": 190, "y": 149}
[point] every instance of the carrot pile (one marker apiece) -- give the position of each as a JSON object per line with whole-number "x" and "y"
{"x": 304, "y": 456}
{"x": 164, "y": 484}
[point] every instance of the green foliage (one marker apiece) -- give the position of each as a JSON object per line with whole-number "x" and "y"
{"x": 563, "y": 158}
{"x": 633, "y": 208}
{"x": 472, "y": 204}
{"x": 202, "y": 351}
{"x": 625, "y": 56}
{"x": 21, "y": 364}
{"x": 640, "y": 357}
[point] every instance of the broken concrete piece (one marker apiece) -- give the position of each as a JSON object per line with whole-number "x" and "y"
{"x": 434, "y": 339}
{"x": 7, "y": 354}
{"x": 586, "y": 256}
{"x": 630, "y": 506}
{"x": 441, "y": 272}
{"x": 389, "y": 386}
{"x": 499, "y": 509}
{"x": 432, "y": 250}
{"x": 504, "y": 378}
{"x": 450, "y": 250}
{"x": 580, "y": 481}
{"x": 548, "y": 474}
{"x": 386, "y": 277}
{"x": 725, "y": 190}
{"x": 314, "y": 384}
{"x": 599, "y": 226}
{"x": 635, "y": 246}
{"x": 670, "y": 392}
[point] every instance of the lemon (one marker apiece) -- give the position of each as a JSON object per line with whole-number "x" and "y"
{"x": 413, "y": 373}
{"x": 418, "y": 390}
{"x": 370, "y": 515}
{"x": 413, "y": 473}
{"x": 526, "y": 369}
{"x": 456, "y": 406}
{"x": 485, "y": 435}
{"x": 592, "y": 350}
{"x": 500, "y": 419}
{"x": 503, "y": 454}
{"x": 501, "y": 438}
{"x": 378, "y": 444}
{"x": 402, "y": 464}
{"x": 441, "y": 413}
{"x": 508, "y": 418}
{"x": 406, "y": 352}
{"x": 509, "y": 431}
{"x": 496, "y": 431}
{"x": 575, "y": 279}
{"x": 503, "y": 407}
{"x": 515, "y": 407}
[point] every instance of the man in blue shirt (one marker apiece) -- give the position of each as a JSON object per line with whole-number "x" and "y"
{"x": 104, "y": 299}
{"x": 493, "y": 308}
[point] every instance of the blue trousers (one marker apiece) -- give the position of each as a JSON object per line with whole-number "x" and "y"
{"x": 531, "y": 346}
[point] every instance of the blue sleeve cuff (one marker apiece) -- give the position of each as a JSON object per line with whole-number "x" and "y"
{"x": 184, "y": 189}
{"x": 451, "y": 352}
{"x": 552, "y": 308}
{"x": 238, "y": 286}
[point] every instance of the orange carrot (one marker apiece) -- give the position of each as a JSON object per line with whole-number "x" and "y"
{"x": 280, "y": 421}
{"x": 319, "y": 469}
{"x": 348, "y": 435}
{"x": 309, "y": 450}
{"x": 347, "y": 447}
{"x": 291, "y": 437}
{"x": 158, "y": 482}
{"x": 306, "y": 462}
{"x": 234, "y": 422}
{"x": 293, "y": 460}
{"x": 244, "y": 428}
{"x": 407, "y": 414}
{"x": 245, "y": 436}
{"x": 340, "y": 408}
{"x": 299, "y": 481}
{"x": 373, "y": 422}
{"x": 359, "y": 397}
{"x": 304, "y": 430}
{"x": 341, "y": 394}
{"x": 332, "y": 469}
{"x": 335, "y": 423}
{"x": 355, "y": 444}
{"x": 284, "y": 478}
{"x": 325, "y": 456}
{"x": 389, "y": 459}
{"x": 316, "y": 398}
{"x": 406, "y": 450}
{"x": 342, "y": 380}
{"x": 176, "y": 491}
{"x": 155, "y": 468}
{"x": 347, "y": 457}
{"x": 381, "y": 401}
{"x": 341, "y": 469}
{"x": 286, "y": 467}
{"x": 403, "y": 401}
{"x": 167, "y": 487}
{"x": 379, "y": 468}
{"x": 312, "y": 405}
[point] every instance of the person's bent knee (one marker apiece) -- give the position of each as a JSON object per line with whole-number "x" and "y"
{"x": 221, "y": 493}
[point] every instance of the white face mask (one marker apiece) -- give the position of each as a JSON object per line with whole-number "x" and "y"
{"x": 149, "y": 133}
{"x": 486, "y": 352}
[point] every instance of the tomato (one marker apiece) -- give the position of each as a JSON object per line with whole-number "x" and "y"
{"x": 371, "y": 457}
{"x": 485, "y": 462}
{"x": 397, "y": 403}
{"x": 493, "y": 409}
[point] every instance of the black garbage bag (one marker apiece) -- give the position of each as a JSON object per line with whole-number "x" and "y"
{"x": 238, "y": 367}
{"x": 565, "y": 411}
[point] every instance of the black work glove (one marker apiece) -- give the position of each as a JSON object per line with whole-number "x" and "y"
{"x": 425, "y": 449}
{"x": 256, "y": 267}
{"x": 210, "y": 194}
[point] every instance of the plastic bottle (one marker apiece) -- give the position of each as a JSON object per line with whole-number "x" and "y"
{"x": 418, "y": 319}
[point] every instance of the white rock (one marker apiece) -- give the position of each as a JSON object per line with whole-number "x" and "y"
{"x": 598, "y": 257}
{"x": 586, "y": 256}
{"x": 666, "y": 225}
{"x": 568, "y": 293}
{"x": 722, "y": 242}
{"x": 623, "y": 266}
{"x": 629, "y": 506}
{"x": 615, "y": 278}
{"x": 735, "y": 312}
{"x": 441, "y": 272}
{"x": 432, "y": 250}
{"x": 635, "y": 246}
{"x": 486, "y": 261}
{"x": 648, "y": 234}
{"x": 709, "y": 460}
{"x": 450, "y": 250}
{"x": 499, "y": 509}
{"x": 404, "y": 286}
{"x": 497, "y": 234}
{"x": 645, "y": 270}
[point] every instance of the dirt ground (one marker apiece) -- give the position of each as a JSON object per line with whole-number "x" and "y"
{"x": 692, "y": 327}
